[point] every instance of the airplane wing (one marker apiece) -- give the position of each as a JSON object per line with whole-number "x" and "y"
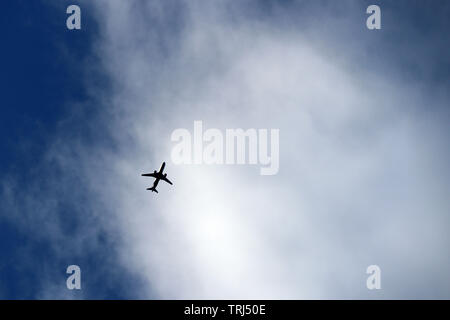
{"x": 166, "y": 180}
{"x": 148, "y": 175}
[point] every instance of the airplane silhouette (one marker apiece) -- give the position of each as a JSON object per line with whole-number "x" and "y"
{"x": 158, "y": 176}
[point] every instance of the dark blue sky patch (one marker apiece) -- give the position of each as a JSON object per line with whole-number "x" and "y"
{"x": 45, "y": 71}
{"x": 42, "y": 70}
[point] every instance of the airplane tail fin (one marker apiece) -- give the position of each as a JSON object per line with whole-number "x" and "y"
{"x": 153, "y": 189}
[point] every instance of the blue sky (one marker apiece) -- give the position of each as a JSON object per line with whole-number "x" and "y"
{"x": 42, "y": 65}
{"x": 84, "y": 112}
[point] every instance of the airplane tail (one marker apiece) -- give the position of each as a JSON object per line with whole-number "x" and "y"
{"x": 153, "y": 189}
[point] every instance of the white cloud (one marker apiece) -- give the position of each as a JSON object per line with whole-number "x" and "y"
{"x": 354, "y": 188}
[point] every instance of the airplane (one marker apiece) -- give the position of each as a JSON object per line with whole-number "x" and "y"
{"x": 158, "y": 176}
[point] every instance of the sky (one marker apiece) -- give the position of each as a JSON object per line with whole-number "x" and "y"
{"x": 363, "y": 175}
